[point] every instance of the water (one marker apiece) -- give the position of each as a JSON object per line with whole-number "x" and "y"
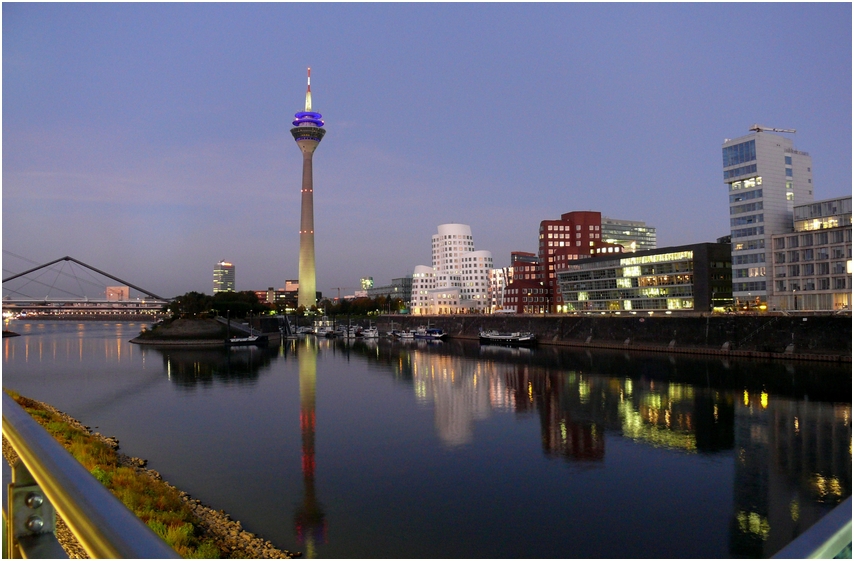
{"x": 433, "y": 450}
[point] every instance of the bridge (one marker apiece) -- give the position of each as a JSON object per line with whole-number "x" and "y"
{"x": 70, "y": 287}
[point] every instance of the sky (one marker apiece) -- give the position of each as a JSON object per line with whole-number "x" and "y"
{"x": 152, "y": 140}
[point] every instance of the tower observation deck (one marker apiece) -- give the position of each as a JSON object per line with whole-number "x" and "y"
{"x": 308, "y": 131}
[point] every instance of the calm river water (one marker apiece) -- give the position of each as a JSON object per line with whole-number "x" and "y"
{"x": 411, "y": 450}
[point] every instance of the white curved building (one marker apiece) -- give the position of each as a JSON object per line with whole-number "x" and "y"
{"x": 460, "y": 275}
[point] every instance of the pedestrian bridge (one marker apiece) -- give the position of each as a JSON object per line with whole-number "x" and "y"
{"x": 69, "y": 286}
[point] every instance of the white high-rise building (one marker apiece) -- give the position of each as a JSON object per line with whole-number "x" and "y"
{"x": 459, "y": 275}
{"x": 766, "y": 177}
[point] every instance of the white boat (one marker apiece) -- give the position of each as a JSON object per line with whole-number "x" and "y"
{"x": 305, "y": 330}
{"x": 371, "y": 333}
{"x": 520, "y": 338}
{"x": 405, "y": 334}
{"x": 248, "y": 340}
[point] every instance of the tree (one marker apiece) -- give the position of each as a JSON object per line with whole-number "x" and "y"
{"x": 191, "y": 304}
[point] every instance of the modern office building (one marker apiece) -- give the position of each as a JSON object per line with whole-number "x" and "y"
{"x": 460, "y": 275}
{"x": 631, "y": 234}
{"x": 812, "y": 265}
{"x": 223, "y": 277}
{"x": 308, "y": 131}
{"x": 766, "y": 178}
{"x": 400, "y": 288}
{"x": 685, "y": 278}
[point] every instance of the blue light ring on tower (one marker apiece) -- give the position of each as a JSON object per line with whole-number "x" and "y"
{"x": 308, "y": 117}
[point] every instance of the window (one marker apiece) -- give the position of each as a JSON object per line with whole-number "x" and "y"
{"x": 788, "y": 160}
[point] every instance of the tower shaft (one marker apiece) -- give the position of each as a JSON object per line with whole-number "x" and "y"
{"x": 307, "y": 295}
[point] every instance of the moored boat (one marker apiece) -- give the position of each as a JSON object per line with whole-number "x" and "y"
{"x": 519, "y": 338}
{"x": 431, "y": 333}
{"x": 371, "y": 333}
{"x": 258, "y": 340}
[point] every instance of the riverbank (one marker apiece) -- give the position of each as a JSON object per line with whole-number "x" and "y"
{"x": 215, "y": 527}
{"x": 809, "y": 337}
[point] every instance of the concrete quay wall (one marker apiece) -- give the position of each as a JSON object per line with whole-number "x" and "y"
{"x": 795, "y": 337}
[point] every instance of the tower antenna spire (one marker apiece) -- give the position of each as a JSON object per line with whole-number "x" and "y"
{"x": 308, "y": 92}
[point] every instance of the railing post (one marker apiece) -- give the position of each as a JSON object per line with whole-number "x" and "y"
{"x": 31, "y": 519}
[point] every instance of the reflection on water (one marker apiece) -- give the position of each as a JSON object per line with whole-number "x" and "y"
{"x": 309, "y": 519}
{"x": 188, "y": 367}
{"x": 778, "y": 435}
{"x": 793, "y": 457}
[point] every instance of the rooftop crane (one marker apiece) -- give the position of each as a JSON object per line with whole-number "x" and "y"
{"x": 338, "y": 288}
{"x": 760, "y": 128}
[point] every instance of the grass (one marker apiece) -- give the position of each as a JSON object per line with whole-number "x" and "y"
{"x": 155, "y": 503}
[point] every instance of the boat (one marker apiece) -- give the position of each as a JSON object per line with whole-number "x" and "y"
{"x": 351, "y": 332}
{"x": 430, "y": 333}
{"x": 258, "y": 340}
{"x": 406, "y": 334}
{"x": 519, "y": 338}
{"x": 371, "y": 332}
{"x": 305, "y": 330}
{"x": 324, "y": 327}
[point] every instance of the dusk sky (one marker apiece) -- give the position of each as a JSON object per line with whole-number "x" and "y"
{"x": 152, "y": 140}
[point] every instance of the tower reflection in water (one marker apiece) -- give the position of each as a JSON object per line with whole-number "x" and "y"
{"x": 309, "y": 519}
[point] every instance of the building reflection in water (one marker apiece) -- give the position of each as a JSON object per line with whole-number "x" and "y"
{"x": 793, "y": 463}
{"x": 792, "y": 458}
{"x": 309, "y": 519}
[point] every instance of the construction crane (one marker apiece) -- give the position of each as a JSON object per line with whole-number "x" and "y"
{"x": 760, "y": 128}
{"x": 338, "y": 288}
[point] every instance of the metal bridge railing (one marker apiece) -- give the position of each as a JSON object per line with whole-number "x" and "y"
{"x": 47, "y": 480}
{"x": 829, "y": 538}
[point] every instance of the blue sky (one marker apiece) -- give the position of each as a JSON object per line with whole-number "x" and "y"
{"x": 152, "y": 140}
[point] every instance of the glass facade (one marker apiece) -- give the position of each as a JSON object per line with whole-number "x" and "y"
{"x": 739, "y": 153}
{"x": 654, "y": 281}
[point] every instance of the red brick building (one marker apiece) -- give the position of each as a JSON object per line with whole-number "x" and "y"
{"x": 577, "y": 235}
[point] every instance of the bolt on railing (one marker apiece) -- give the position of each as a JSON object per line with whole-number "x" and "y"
{"x": 46, "y": 480}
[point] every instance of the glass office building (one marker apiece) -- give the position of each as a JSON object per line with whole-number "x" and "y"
{"x": 692, "y": 278}
{"x": 631, "y": 234}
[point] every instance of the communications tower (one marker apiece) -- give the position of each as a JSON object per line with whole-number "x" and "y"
{"x": 308, "y": 131}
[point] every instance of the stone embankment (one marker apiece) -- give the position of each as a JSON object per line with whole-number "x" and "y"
{"x": 230, "y": 537}
{"x": 822, "y": 337}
